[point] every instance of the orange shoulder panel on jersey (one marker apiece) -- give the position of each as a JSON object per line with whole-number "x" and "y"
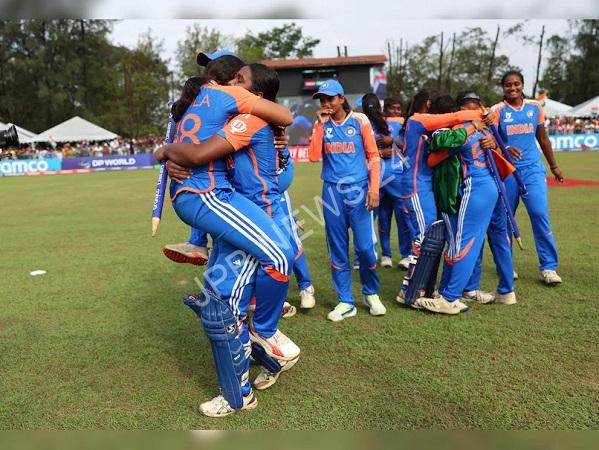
{"x": 497, "y": 108}
{"x": 360, "y": 117}
{"x": 433, "y": 122}
{"x": 245, "y": 99}
{"x": 365, "y": 127}
{"x": 240, "y": 130}
{"x": 538, "y": 104}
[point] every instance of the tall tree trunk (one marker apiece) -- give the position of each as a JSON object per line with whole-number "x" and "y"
{"x": 440, "y": 77}
{"x": 399, "y": 65}
{"x": 128, "y": 96}
{"x": 391, "y": 68}
{"x": 534, "y": 88}
{"x": 450, "y": 65}
{"x": 83, "y": 55}
{"x": 46, "y": 70}
{"x": 492, "y": 61}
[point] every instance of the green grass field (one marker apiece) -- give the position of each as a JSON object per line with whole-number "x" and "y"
{"x": 103, "y": 341}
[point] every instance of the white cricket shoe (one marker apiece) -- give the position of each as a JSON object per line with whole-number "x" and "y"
{"x": 307, "y": 300}
{"x": 441, "y": 306}
{"x": 550, "y": 277}
{"x": 356, "y": 265}
{"x": 376, "y": 306}
{"x": 516, "y": 276}
{"x": 288, "y": 310}
{"x": 278, "y": 346}
{"x": 266, "y": 379}
{"x": 386, "y": 261}
{"x": 463, "y": 307}
{"x": 506, "y": 299}
{"x": 478, "y": 296}
{"x": 219, "y": 407}
{"x": 404, "y": 263}
{"x": 342, "y": 311}
{"x": 401, "y": 299}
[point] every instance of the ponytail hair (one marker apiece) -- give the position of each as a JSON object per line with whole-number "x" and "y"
{"x": 418, "y": 101}
{"x": 265, "y": 80}
{"x": 371, "y": 107}
{"x": 444, "y": 104}
{"x": 221, "y": 70}
{"x": 346, "y": 106}
{"x": 190, "y": 91}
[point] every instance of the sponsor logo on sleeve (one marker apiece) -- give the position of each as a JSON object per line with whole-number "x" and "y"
{"x": 237, "y": 126}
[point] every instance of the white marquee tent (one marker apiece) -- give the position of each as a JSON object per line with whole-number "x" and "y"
{"x": 76, "y": 129}
{"x": 586, "y": 109}
{"x": 555, "y": 109}
{"x": 25, "y": 136}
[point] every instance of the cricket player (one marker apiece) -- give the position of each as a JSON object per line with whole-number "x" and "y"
{"x": 248, "y": 142}
{"x": 521, "y": 125}
{"x": 391, "y": 205}
{"x": 498, "y": 236}
{"x": 207, "y": 201}
{"x": 345, "y": 142}
{"x": 387, "y": 135}
{"x": 417, "y": 178}
{"x": 466, "y": 229}
{"x": 195, "y": 250}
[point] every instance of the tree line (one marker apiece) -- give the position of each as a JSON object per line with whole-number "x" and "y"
{"x": 51, "y": 70}
{"x": 472, "y": 60}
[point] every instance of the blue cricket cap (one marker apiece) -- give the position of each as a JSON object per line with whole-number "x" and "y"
{"x": 330, "y": 88}
{"x": 204, "y": 58}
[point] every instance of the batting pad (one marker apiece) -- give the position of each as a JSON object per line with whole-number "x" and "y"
{"x": 424, "y": 274}
{"x": 223, "y": 332}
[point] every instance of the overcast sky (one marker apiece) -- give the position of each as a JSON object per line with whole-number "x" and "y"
{"x": 361, "y": 36}
{"x": 323, "y": 9}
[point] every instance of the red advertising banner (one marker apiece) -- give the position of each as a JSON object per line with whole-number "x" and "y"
{"x": 299, "y": 153}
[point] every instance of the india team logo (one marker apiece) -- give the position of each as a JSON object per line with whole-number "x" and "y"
{"x": 238, "y": 126}
{"x": 350, "y": 131}
{"x": 324, "y": 85}
{"x": 530, "y": 113}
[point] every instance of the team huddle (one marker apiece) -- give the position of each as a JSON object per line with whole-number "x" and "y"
{"x": 451, "y": 172}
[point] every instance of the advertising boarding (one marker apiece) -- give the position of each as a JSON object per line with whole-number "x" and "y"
{"x": 29, "y": 166}
{"x": 575, "y": 142}
{"x": 124, "y": 162}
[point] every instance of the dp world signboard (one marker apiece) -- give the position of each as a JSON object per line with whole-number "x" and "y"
{"x": 141, "y": 161}
{"x": 29, "y": 166}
